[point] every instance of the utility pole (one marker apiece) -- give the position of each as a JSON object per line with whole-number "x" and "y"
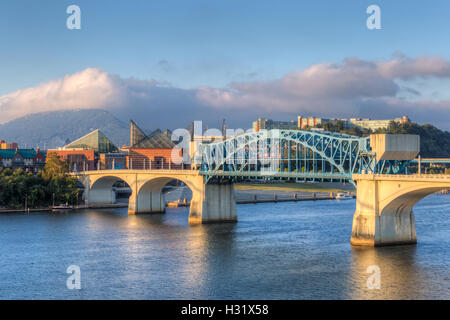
{"x": 420, "y": 169}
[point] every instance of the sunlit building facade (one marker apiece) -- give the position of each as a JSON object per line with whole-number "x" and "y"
{"x": 29, "y": 160}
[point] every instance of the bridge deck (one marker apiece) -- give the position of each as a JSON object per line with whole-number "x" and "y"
{"x": 404, "y": 177}
{"x": 272, "y": 174}
{"x": 139, "y": 171}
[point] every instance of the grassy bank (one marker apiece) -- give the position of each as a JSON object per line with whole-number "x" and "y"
{"x": 306, "y": 187}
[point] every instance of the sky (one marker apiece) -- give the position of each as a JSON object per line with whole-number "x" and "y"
{"x": 167, "y": 63}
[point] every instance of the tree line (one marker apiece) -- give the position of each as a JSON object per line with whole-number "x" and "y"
{"x": 51, "y": 185}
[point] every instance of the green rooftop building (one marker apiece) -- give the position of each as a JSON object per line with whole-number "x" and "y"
{"x": 95, "y": 140}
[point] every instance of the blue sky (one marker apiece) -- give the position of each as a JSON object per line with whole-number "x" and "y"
{"x": 190, "y": 44}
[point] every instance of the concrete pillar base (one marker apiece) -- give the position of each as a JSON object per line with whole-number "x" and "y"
{"x": 387, "y": 229}
{"x": 150, "y": 202}
{"x": 216, "y": 204}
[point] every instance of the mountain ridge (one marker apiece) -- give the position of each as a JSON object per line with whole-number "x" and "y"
{"x": 54, "y": 129}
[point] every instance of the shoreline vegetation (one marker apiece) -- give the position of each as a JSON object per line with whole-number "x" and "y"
{"x": 21, "y": 190}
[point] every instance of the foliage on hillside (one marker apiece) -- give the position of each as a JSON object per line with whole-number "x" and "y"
{"x": 38, "y": 190}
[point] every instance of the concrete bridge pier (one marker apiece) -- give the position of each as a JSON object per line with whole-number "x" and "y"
{"x": 215, "y": 204}
{"x": 384, "y": 207}
{"x": 147, "y": 196}
{"x": 151, "y": 202}
{"x": 378, "y": 222}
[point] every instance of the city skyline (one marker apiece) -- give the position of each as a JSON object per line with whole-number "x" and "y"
{"x": 212, "y": 158}
{"x": 212, "y": 61}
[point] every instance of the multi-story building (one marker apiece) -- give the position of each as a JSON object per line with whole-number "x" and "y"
{"x": 376, "y": 124}
{"x": 268, "y": 124}
{"x": 314, "y": 122}
{"x": 29, "y": 160}
{"x": 6, "y": 145}
{"x": 79, "y": 159}
{"x": 93, "y": 151}
{"x": 152, "y": 151}
{"x": 113, "y": 160}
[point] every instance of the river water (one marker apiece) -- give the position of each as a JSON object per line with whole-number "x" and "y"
{"x": 290, "y": 250}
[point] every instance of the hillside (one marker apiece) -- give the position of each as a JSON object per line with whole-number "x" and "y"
{"x": 54, "y": 129}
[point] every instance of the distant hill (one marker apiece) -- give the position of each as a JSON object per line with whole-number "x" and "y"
{"x": 56, "y": 128}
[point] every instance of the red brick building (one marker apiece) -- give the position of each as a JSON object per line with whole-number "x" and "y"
{"x": 79, "y": 159}
{"x": 153, "y": 151}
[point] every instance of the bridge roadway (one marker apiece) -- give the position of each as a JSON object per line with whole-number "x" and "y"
{"x": 383, "y": 214}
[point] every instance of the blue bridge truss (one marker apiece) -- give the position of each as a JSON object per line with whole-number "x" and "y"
{"x": 288, "y": 155}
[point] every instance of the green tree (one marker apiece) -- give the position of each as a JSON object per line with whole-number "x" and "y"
{"x": 55, "y": 167}
{"x": 39, "y": 188}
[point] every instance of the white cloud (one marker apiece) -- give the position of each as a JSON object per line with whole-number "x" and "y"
{"x": 323, "y": 87}
{"x": 88, "y": 89}
{"x": 354, "y": 87}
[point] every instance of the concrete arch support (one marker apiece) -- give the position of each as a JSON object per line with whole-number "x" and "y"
{"x": 98, "y": 189}
{"x": 210, "y": 202}
{"x": 384, "y": 207}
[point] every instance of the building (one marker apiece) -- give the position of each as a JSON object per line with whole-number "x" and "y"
{"x": 29, "y": 160}
{"x": 376, "y": 124}
{"x": 268, "y": 124}
{"x": 310, "y": 122}
{"x": 113, "y": 160}
{"x": 6, "y": 145}
{"x": 79, "y": 159}
{"x": 95, "y": 140}
{"x": 152, "y": 151}
{"x": 314, "y": 122}
{"x": 93, "y": 151}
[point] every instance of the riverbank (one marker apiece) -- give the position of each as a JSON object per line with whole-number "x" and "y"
{"x": 304, "y": 187}
{"x": 271, "y": 192}
{"x": 80, "y": 207}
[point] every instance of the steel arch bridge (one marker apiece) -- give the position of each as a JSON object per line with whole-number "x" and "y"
{"x": 287, "y": 154}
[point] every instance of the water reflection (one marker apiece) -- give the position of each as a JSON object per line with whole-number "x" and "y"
{"x": 400, "y": 275}
{"x": 276, "y": 251}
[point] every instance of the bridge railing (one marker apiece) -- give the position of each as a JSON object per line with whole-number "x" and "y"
{"x": 149, "y": 165}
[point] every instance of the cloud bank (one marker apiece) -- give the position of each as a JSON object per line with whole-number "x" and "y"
{"x": 353, "y": 88}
